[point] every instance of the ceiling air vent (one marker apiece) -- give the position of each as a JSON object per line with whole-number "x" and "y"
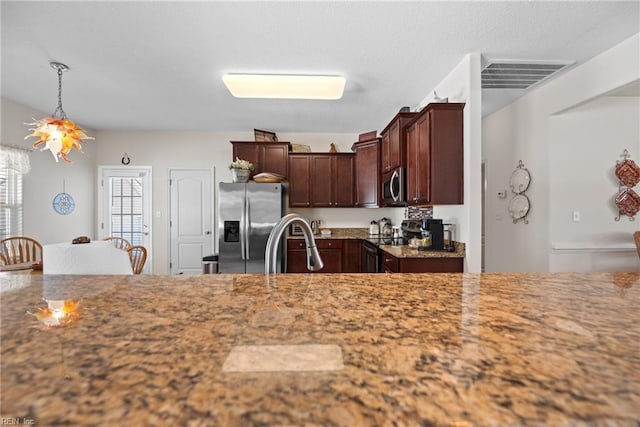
{"x": 513, "y": 74}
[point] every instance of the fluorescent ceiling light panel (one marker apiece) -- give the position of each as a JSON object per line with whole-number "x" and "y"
{"x": 284, "y": 86}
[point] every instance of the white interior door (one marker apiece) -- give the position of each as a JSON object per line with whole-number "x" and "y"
{"x": 124, "y": 206}
{"x": 191, "y": 219}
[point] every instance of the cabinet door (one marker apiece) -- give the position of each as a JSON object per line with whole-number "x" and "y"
{"x": 321, "y": 178}
{"x": 332, "y": 259}
{"x": 385, "y": 152}
{"x": 394, "y": 146}
{"x": 412, "y": 164}
{"x": 248, "y": 152}
{"x": 297, "y": 261}
{"x": 342, "y": 177}
{"x": 274, "y": 158}
{"x": 352, "y": 256}
{"x": 423, "y": 166}
{"x": 299, "y": 181}
{"x": 390, "y": 263}
{"x": 367, "y": 173}
{"x": 431, "y": 265}
{"x": 447, "y": 171}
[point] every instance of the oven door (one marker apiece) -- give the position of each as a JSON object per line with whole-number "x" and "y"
{"x": 393, "y": 191}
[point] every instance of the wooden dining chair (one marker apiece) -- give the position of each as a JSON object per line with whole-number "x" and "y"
{"x": 119, "y": 242}
{"x": 19, "y": 250}
{"x": 137, "y": 256}
{"x": 636, "y": 237}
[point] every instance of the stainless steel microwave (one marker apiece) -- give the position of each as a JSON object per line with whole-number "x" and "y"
{"x": 393, "y": 188}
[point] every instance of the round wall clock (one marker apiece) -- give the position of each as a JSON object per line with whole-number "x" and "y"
{"x": 63, "y": 204}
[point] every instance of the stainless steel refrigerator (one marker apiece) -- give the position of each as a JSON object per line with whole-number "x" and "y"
{"x": 246, "y": 215}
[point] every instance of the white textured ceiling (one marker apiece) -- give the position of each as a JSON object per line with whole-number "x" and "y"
{"x": 158, "y": 65}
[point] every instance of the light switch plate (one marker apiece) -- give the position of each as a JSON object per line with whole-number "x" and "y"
{"x": 576, "y": 216}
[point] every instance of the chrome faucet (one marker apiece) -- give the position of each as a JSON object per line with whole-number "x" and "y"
{"x": 314, "y": 262}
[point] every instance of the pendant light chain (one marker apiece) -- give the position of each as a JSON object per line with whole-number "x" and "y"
{"x": 59, "y": 110}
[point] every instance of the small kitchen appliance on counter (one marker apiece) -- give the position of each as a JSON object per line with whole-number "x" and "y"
{"x": 386, "y": 228}
{"x": 411, "y": 228}
{"x": 374, "y": 228}
{"x": 437, "y": 232}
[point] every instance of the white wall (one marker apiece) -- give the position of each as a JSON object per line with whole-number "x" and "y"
{"x": 45, "y": 180}
{"x": 462, "y": 84}
{"x": 535, "y": 130}
{"x": 586, "y": 142}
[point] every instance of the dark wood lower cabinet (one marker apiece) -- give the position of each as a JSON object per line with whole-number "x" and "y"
{"x": 352, "y": 256}
{"x": 391, "y": 264}
{"x": 330, "y": 251}
{"x": 355, "y": 256}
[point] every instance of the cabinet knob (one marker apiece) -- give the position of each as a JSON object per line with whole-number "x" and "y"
{"x": 330, "y": 243}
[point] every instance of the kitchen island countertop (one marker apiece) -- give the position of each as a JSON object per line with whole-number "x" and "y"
{"x": 401, "y": 349}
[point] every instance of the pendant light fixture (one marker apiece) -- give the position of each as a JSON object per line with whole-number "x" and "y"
{"x": 58, "y": 134}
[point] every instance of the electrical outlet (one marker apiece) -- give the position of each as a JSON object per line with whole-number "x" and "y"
{"x": 576, "y": 216}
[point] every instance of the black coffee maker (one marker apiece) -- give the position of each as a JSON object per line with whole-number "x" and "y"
{"x": 435, "y": 227}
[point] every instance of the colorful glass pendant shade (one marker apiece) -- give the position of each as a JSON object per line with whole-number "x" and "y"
{"x": 58, "y": 134}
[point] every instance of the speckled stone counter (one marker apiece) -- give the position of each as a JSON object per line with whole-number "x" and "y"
{"x": 401, "y": 349}
{"x": 404, "y": 251}
{"x": 340, "y": 233}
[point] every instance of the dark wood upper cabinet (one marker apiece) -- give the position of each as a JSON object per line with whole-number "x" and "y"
{"x": 321, "y": 179}
{"x": 299, "y": 180}
{"x": 343, "y": 180}
{"x": 435, "y": 155}
{"x": 367, "y": 173}
{"x": 266, "y": 156}
{"x": 393, "y": 142}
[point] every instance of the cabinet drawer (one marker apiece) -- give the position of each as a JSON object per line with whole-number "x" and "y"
{"x": 299, "y": 244}
{"x": 328, "y": 243}
{"x": 296, "y": 244}
{"x": 390, "y": 263}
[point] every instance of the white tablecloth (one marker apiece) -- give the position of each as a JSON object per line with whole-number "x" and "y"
{"x": 99, "y": 257}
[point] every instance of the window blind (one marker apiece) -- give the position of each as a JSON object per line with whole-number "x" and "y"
{"x": 12, "y": 165}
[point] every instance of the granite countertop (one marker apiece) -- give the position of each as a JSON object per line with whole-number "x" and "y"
{"x": 404, "y": 251}
{"x": 339, "y": 233}
{"x": 320, "y": 349}
{"x": 399, "y": 251}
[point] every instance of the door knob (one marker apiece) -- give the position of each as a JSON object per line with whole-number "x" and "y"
{"x": 208, "y": 232}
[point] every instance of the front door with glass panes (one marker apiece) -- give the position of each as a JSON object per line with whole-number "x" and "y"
{"x": 124, "y": 206}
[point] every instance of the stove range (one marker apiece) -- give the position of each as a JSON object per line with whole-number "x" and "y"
{"x": 387, "y": 240}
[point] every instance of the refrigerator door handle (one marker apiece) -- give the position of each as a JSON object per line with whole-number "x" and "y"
{"x": 243, "y": 222}
{"x": 247, "y": 227}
